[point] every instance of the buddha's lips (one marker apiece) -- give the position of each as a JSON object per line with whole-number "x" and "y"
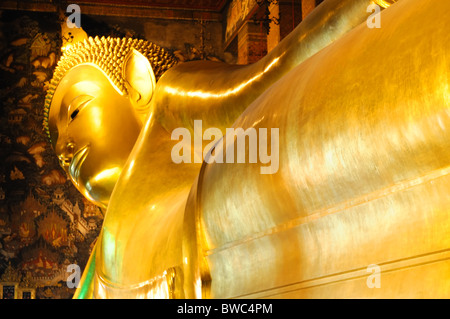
{"x": 77, "y": 161}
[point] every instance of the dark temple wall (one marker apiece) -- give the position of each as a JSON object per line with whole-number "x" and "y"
{"x": 45, "y": 224}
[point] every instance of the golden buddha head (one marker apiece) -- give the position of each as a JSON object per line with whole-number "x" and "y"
{"x": 95, "y": 107}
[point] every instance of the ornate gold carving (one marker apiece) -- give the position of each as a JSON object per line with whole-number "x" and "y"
{"x": 10, "y": 274}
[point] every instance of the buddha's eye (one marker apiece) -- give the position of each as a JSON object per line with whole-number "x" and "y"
{"x": 78, "y": 104}
{"x": 74, "y": 114}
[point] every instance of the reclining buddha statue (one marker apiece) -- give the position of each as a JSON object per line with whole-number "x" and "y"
{"x": 360, "y": 189}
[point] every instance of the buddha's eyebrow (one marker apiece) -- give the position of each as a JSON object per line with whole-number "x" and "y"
{"x": 77, "y": 104}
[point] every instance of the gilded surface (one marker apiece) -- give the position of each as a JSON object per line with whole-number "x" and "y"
{"x": 363, "y": 178}
{"x": 96, "y": 105}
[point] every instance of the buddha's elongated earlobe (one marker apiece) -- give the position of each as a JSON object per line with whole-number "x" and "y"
{"x": 139, "y": 80}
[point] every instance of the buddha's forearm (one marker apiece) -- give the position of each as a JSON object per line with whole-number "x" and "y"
{"x": 218, "y": 93}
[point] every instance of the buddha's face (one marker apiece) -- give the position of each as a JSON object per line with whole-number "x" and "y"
{"x": 93, "y": 130}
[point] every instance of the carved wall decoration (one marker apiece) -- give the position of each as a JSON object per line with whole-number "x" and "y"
{"x": 42, "y": 226}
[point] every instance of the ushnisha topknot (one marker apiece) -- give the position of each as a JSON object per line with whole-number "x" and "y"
{"x": 109, "y": 55}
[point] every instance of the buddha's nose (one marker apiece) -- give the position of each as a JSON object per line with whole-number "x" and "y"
{"x": 65, "y": 151}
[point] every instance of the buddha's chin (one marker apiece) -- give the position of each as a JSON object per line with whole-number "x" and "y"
{"x": 98, "y": 196}
{"x": 98, "y": 189}
{"x": 98, "y": 193}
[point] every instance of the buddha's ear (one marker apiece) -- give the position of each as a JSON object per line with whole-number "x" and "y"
{"x": 139, "y": 79}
